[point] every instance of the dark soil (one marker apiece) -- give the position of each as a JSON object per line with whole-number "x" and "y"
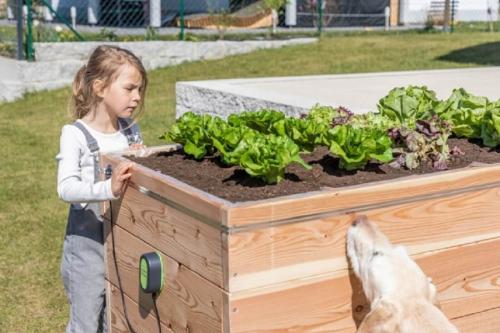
{"x": 233, "y": 184}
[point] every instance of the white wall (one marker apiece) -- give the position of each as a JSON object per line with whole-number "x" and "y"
{"x": 415, "y": 11}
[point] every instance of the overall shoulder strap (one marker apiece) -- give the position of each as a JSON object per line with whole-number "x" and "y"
{"x": 91, "y": 141}
{"x": 93, "y": 146}
{"x": 131, "y": 130}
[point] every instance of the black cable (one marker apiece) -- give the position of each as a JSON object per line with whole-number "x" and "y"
{"x": 155, "y": 296}
{"x": 122, "y": 294}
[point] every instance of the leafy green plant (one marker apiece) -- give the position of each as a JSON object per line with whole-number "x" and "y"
{"x": 406, "y": 105}
{"x": 231, "y": 141}
{"x": 376, "y": 120}
{"x": 265, "y": 156}
{"x": 329, "y": 115}
{"x": 465, "y": 112}
{"x": 261, "y": 121}
{"x": 357, "y": 146}
{"x": 190, "y": 130}
{"x": 268, "y": 156}
{"x": 490, "y": 127}
{"x": 306, "y": 133}
{"x": 320, "y": 114}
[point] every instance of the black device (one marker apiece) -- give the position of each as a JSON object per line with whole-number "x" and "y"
{"x": 151, "y": 272}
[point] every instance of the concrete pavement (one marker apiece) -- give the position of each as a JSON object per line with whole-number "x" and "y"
{"x": 358, "y": 92}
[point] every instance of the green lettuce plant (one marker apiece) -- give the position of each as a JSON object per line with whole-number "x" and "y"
{"x": 406, "y": 105}
{"x": 465, "y": 112}
{"x": 356, "y": 146}
{"x": 490, "y": 127}
{"x": 191, "y": 130}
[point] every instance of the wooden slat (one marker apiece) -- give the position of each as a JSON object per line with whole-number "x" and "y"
{"x": 187, "y": 240}
{"x": 319, "y": 307}
{"x": 396, "y": 191}
{"x": 271, "y": 255}
{"x": 466, "y": 277}
{"x": 225, "y": 262}
{"x": 482, "y": 322}
{"x": 187, "y": 301}
{"x": 465, "y": 286}
{"x": 141, "y": 320}
{"x": 210, "y": 207}
{"x": 279, "y": 254}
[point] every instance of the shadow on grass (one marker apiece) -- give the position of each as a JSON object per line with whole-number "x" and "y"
{"x": 482, "y": 54}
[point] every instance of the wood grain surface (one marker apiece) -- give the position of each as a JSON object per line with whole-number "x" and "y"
{"x": 294, "y": 251}
{"x": 187, "y": 300}
{"x": 192, "y": 243}
{"x": 466, "y": 277}
{"x": 365, "y": 196}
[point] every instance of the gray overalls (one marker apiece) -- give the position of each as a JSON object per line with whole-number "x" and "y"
{"x": 82, "y": 264}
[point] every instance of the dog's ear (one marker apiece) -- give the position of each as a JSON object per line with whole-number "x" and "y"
{"x": 383, "y": 318}
{"x": 402, "y": 251}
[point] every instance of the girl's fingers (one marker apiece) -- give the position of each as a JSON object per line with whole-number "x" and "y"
{"x": 119, "y": 169}
{"x": 124, "y": 167}
{"x": 130, "y": 165}
{"x": 137, "y": 146}
{"x": 125, "y": 176}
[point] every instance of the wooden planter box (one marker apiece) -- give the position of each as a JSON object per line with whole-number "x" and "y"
{"x": 279, "y": 265}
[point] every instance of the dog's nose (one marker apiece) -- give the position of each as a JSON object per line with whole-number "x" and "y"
{"x": 360, "y": 219}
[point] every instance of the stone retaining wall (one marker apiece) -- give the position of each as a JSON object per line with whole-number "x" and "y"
{"x": 57, "y": 63}
{"x": 222, "y": 103}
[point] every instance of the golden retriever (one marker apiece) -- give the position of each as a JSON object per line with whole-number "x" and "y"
{"x": 402, "y": 297}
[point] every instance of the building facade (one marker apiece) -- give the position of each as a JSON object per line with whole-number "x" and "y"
{"x": 417, "y": 11}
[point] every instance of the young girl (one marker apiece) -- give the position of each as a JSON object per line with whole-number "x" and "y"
{"x": 108, "y": 92}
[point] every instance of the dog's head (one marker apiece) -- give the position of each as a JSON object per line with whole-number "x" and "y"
{"x": 402, "y": 297}
{"x": 384, "y": 269}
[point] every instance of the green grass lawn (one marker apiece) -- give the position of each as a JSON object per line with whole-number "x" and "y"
{"x": 32, "y": 218}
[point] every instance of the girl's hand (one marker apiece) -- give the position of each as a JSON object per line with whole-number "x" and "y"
{"x": 137, "y": 146}
{"x": 140, "y": 150}
{"x": 120, "y": 177}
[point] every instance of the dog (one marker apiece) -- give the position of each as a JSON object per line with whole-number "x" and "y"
{"x": 402, "y": 297}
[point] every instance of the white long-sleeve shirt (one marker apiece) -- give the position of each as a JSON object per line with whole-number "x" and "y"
{"x": 75, "y": 174}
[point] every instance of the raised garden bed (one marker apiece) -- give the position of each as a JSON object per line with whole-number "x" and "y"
{"x": 279, "y": 264}
{"x": 267, "y": 254}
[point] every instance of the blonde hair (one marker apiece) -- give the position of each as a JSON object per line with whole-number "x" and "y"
{"x": 103, "y": 64}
